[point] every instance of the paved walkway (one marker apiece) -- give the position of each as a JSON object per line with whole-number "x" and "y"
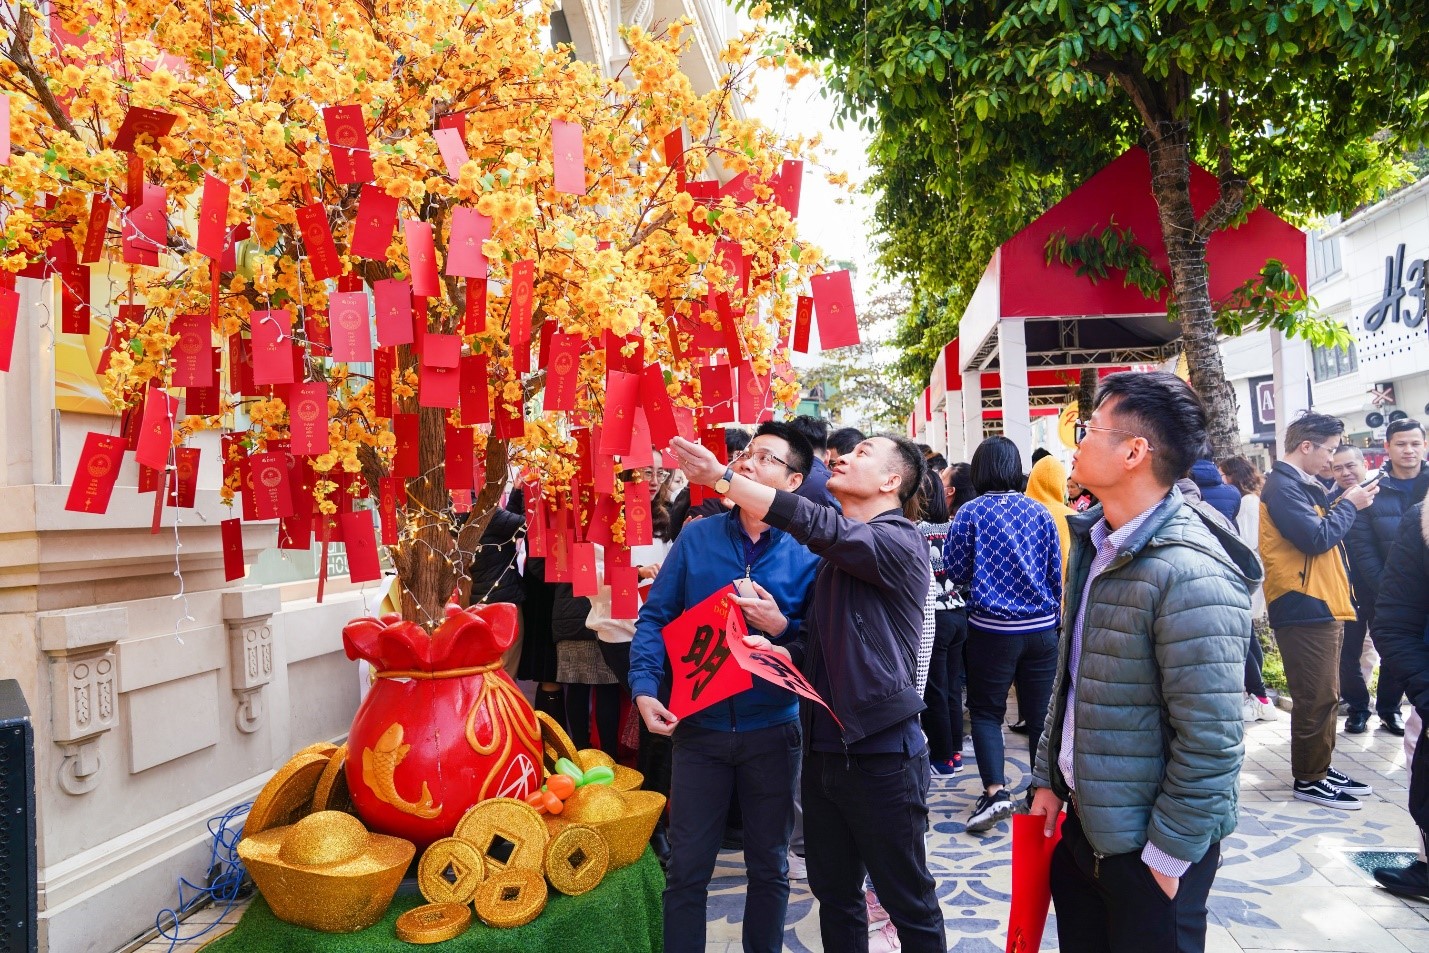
{"x": 1289, "y": 880}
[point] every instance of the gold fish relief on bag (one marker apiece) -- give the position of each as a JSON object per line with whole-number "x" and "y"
{"x": 379, "y": 769}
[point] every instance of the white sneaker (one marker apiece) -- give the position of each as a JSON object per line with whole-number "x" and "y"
{"x": 883, "y": 938}
{"x": 798, "y": 869}
{"x": 1250, "y": 709}
{"x": 1266, "y": 710}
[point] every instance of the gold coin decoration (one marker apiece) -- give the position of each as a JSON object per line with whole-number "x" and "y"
{"x": 511, "y": 898}
{"x": 464, "y": 863}
{"x": 286, "y": 797}
{"x": 331, "y": 793}
{"x": 434, "y": 923}
{"x": 555, "y": 743}
{"x": 509, "y": 834}
{"x": 576, "y": 860}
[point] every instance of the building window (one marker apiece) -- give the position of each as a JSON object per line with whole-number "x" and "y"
{"x": 1324, "y": 257}
{"x": 1334, "y": 362}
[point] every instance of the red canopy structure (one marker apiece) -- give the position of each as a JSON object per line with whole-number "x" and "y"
{"x": 1031, "y": 326}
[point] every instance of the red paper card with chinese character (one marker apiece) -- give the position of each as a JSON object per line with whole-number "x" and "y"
{"x": 701, "y": 667}
{"x": 508, "y": 420}
{"x": 717, "y": 394}
{"x": 74, "y": 290}
{"x": 522, "y": 280}
{"x": 460, "y": 456}
{"x": 584, "y": 583}
{"x": 422, "y": 258}
{"x": 318, "y": 333}
{"x": 206, "y": 401}
{"x": 272, "y": 346}
{"x": 296, "y": 532}
{"x": 622, "y": 394}
{"x": 615, "y": 357}
{"x": 603, "y": 515}
{"x": 232, "y": 533}
{"x": 834, "y": 308}
{"x": 474, "y": 317}
{"x": 348, "y": 143}
{"x": 140, "y": 124}
{"x": 349, "y": 326}
{"x": 408, "y": 431}
{"x": 96, "y": 473}
{"x": 803, "y": 316}
{"x": 393, "y": 299}
{"x": 387, "y": 509}
{"x": 272, "y": 488}
{"x": 307, "y": 412}
{"x": 156, "y": 431}
{"x": 568, "y": 156}
{"x": 145, "y": 228}
{"x": 637, "y": 514}
{"x": 659, "y": 408}
{"x": 641, "y": 453}
{"x": 788, "y": 185}
{"x": 1031, "y": 880}
{"x": 441, "y": 350}
{"x": 184, "y": 485}
{"x": 753, "y": 394}
{"x": 475, "y": 391}
{"x": 624, "y": 591}
{"x": 359, "y": 537}
{"x": 384, "y": 362}
{"x": 213, "y": 218}
{"x": 98, "y": 231}
{"x": 318, "y": 242}
{"x": 192, "y": 355}
{"x": 376, "y": 221}
{"x": 470, "y": 228}
{"x": 438, "y": 387}
{"x": 563, "y": 372}
{"x": 453, "y": 150}
{"x": 771, "y": 666}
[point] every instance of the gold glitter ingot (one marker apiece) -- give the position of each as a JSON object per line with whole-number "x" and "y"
{"x": 576, "y": 859}
{"x": 594, "y": 803}
{"x": 286, "y": 796}
{"x": 326, "y": 872}
{"x": 588, "y": 758}
{"x": 555, "y": 743}
{"x": 331, "y": 793}
{"x": 434, "y": 923}
{"x": 512, "y": 898}
{"x": 627, "y": 779}
{"x": 379, "y": 769}
{"x": 462, "y": 860}
{"x": 629, "y": 833}
{"x": 509, "y": 834}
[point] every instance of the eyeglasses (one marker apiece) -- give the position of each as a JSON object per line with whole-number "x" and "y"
{"x": 760, "y": 457}
{"x": 1080, "y": 428}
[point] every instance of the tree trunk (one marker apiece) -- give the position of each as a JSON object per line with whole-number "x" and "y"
{"x": 1190, "y": 283}
{"x": 1087, "y": 392}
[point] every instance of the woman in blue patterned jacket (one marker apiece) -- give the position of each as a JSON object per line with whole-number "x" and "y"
{"x": 1004, "y": 545}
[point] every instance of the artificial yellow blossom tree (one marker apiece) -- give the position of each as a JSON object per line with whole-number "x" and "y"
{"x": 242, "y": 96}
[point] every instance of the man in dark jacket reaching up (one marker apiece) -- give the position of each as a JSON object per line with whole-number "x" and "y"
{"x": 866, "y": 774}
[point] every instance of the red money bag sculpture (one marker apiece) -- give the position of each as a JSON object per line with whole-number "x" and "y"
{"x": 443, "y": 726}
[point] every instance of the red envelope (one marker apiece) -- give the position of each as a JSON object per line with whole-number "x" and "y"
{"x": 453, "y": 120}
{"x": 5, "y": 130}
{"x": 730, "y": 257}
{"x": 802, "y": 317}
{"x": 475, "y": 391}
{"x": 659, "y": 408}
{"x": 717, "y": 394}
{"x": 508, "y": 422}
{"x": 583, "y": 577}
{"x": 705, "y": 194}
{"x": 307, "y": 417}
{"x": 453, "y": 150}
{"x": 148, "y": 479}
{"x": 522, "y": 280}
{"x": 788, "y": 185}
{"x": 376, "y": 221}
{"x": 271, "y": 485}
{"x": 740, "y": 188}
{"x": 213, "y": 218}
{"x": 272, "y": 346}
{"x": 536, "y": 531}
{"x": 145, "y": 228}
{"x": 184, "y": 485}
{"x": 615, "y": 357}
{"x": 98, "y": 231}
{"x": 96, "y": 473}
{"x": 640, "y": 454}
{"x": 384, "y": 364}
{"x": 753, "y": 394}
{"x": 470, "y": 228}
{"x": 616, "y": 557}
{"x": 624, "y": 584}
{"x": 601, "y": 524}
{"x": 9, "y": 317}
{"x": 232, "y": 532}
{"x": 438, "y": 387}
{"x": 422, "y": 259}
{"x": 675, "y": 154}
{"x": 622, "y": 393}
{"x": 408, "y": 430}
{"x": 638, "y": 530}
{"x": 393, "y": 299}
{"x": 317, "y": 241}
{"x": 563, "y": 372}
{"x": 139, "y": 124}
{"x": 461, "y": 452}
{"x": 349, "y": 326}
{"x": 1031, "y": 880}
{"x": 296, "y": 532}
{"x": 156, "y": 431}
{"x": 834, "y": 307}
{"x": 474, "y": 320}
{"x": 206, "y": 401}
{"x": 387, "y": 510}
{"x": 347, "y": 141}
{"x": 359, "y": 537}
{"x": 318, "y": 334}
{"x": 192, "y": 355}
{"x": 441, "y": 350}
{"x": 74, "y": 289}
{"x": 701, "y": 668}
{"x": 568, "y": 156}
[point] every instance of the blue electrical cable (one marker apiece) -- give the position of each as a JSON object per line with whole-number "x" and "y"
{"x": 226, "y": 878}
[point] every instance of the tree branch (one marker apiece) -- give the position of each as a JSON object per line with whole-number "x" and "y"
{"x": 19, "y": 54}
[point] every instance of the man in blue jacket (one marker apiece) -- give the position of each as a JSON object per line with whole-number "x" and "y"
{"x": 751, "y": 740}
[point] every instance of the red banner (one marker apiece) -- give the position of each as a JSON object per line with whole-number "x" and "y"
{"x": 1031, "y": 881}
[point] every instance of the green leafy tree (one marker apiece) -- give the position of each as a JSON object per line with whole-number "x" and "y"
{"x": 983, "y": 112}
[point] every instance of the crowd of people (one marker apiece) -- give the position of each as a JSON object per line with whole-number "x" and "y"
{"x": 1126, "y": 606}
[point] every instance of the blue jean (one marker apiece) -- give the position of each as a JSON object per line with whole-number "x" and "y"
{"x": 996, "y": 661}
{"x": 707, "y": 766}
{"x": 943, "y": 718}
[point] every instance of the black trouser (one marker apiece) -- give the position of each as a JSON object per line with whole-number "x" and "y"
{"x": 1115, "y": 905}
{"x": 1388, "y": 695}
{"x": 943, "y": 718}
{"x": 607, "y": 715}
{"x": 997, "y": 661}
{"x": 707, "y": 765}
{"x": 869, "y": 812}
{"x": 1419, "y": 782}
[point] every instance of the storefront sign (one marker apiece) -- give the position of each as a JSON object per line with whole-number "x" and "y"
{"x": 1262, "y": 403}
{"x": 1395, "y": 291}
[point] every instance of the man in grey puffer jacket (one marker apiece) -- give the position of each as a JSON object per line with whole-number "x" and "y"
{"x": 1144, "y": 734}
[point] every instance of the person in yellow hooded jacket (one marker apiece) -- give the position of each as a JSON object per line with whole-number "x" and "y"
{"x": 1047, "y": 484}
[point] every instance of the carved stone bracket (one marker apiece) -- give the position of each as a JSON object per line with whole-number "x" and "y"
{"x": 248, "y": 614}
{"x": 83, "y": 670}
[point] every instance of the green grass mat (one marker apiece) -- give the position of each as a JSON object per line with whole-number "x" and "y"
{"x": 622, "y": 915}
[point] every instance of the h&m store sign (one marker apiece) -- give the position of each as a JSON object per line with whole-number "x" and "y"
{"x": 1404, "y": 289}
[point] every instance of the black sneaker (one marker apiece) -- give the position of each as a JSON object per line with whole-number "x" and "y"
{"x": 988, "y": 811}
{"x": 1325, "y": 794}
{"x": 1343, "y": 782}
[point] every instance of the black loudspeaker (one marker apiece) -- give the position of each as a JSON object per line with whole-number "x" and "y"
{"x": 19, "y": 926}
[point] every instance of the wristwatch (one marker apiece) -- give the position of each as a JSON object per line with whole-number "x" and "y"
{"x": 721, "y": 485}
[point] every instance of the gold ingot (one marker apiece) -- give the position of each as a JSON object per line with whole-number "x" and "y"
{"x": 326, "y": 872}
{"x": 434, "y": 923}
{"x": 628, "y": 834}
{"x": 512, "y": 898}
{"x": 576, "y": 859}
{"x": 594, "y": 803}
{"x": 331, "y": 793}
{"x": 555, "y": 743}
{"x": 287, "y": 795}
{"x": 588, "y": 758}
{"x": 507, "y": 833}
{"x": 627, "y": 779}
{"x": 466, "y": 866}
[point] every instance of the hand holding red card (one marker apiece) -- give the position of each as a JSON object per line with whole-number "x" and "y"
{"x": 701, "y": 668}
{"x": 771, "y": 666}
{"x": 1031, "y": 880}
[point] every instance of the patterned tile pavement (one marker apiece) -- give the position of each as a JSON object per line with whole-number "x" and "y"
{"x": 1288, "y": 880}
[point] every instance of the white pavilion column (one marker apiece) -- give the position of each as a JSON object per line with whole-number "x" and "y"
{"x": 1016, "y": 405}
{"x": 972, "y": 414}
{"x": 957, "y": 433}
{"x": 1290, "y": 362}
